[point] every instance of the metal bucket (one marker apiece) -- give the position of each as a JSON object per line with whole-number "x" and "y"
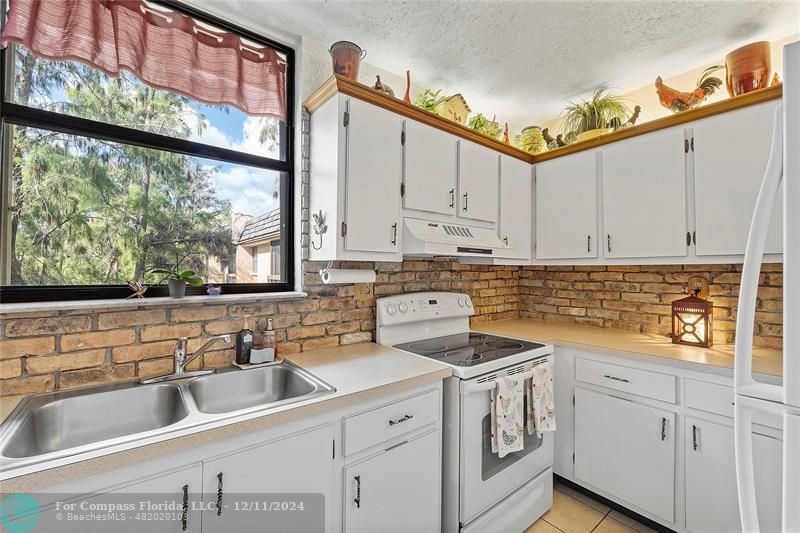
{"x": 347, "y": 58}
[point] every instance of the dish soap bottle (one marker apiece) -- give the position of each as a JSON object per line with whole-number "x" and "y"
{"x": 244, "y": 344}
{"x": 267, "y": 346}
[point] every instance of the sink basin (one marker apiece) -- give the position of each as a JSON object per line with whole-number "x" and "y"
{"x": 268, "y": 386}
{"x": 60, "y": 421}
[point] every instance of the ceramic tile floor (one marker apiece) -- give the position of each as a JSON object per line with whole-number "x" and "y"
{"x": 574, "y": 512}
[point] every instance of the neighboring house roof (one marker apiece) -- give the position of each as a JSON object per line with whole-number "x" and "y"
{"x": 261, "y": 228}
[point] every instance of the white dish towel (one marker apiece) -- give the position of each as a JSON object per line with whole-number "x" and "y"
{"x": 507, "y": 415}
{"x": 541, "y": 415}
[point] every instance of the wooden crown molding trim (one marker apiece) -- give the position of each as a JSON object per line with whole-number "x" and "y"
{"x": 338, "y": 84}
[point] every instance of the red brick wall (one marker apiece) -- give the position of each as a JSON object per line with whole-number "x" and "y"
{"x": 638, "y": 298}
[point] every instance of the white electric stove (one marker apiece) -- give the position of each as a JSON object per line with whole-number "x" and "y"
{"x": 481, "y": 491}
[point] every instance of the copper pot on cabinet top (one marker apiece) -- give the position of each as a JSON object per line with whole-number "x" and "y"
{"x": 748, "y": 68}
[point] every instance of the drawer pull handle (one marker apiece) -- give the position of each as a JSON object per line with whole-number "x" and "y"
{"x": 663, "y": 428}
{"x": 400, "y": 420}
{"x": 615, "y": 378}
{"x": 219, "y": 494}
{"x": 452, "y": 197}
{"x": 357, "y": 499}
{"x": 694, "y": 437}
{"x": 185, "y": 510}
{"x": 466, "y": 201}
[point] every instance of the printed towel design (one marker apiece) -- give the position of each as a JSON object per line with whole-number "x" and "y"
{"x": 507, "y": 416}
{"x": 541, "y": 414}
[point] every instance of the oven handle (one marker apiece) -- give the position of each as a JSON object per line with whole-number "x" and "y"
{"x": 470, "y": 388}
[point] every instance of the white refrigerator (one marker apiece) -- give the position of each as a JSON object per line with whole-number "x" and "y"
{"x": 753, "y": 396}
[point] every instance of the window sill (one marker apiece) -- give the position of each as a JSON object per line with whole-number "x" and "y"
{"x": 72, "y": 305}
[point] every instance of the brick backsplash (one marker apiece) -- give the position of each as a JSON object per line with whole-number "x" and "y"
{"x": 58, "y": 350}
{"x": 638, "y": 298}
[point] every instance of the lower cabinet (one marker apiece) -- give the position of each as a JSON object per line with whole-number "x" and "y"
{"x": 712, "y": 503}
{"x": 627, "y": 450}
{"x": 300, "y": 464}
{"x": 396, "y": 490}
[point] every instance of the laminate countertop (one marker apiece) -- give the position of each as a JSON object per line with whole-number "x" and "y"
{"x": 766, "y": 361}
{"x": 359, "y": 372}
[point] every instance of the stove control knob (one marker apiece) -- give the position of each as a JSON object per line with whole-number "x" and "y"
{"x": 402, "y": 307}
{"x": 391, "y": 309}
{"x": 461, "y": 302}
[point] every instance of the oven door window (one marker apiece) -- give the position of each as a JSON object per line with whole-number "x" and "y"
{"x": 491, "y": 463}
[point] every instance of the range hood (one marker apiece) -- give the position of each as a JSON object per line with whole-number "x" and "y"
{"x": 429, "y": 237}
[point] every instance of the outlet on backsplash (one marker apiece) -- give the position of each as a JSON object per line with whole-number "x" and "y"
{"x": 364, "y": 291}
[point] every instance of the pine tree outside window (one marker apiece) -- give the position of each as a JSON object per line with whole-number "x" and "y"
{"x": 107, "y": 177}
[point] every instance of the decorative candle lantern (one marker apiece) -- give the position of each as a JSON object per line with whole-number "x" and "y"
{"x": 692, "y": 321}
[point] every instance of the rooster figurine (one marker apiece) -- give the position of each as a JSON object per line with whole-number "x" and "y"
{"x": 681, "y": 101}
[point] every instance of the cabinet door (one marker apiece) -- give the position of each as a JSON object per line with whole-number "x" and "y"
{"x": 644, "y": 196}
{"x": 477, "y": 182}
{"x": 374, "y": 171}
{"x": 627, "y": 450}
{"x": 730, "y": 157}
{"x": 430, "y": 170}
{"x": 566, "y": 207}
{"x": 712, "y": 504}
{"x": 300, "y": 464}
{"x": 515, "y": 207}
{"x": 398, "y": 490}
{"x": 168, "y": 488}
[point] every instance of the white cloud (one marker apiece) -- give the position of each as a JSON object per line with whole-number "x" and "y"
{"x": 249, "y": 190}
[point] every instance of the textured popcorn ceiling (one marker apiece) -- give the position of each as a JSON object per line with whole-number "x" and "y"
{"x": 519, "y": 59}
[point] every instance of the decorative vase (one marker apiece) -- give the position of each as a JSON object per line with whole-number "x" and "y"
{"x": 346, "y": 58}
{"x": 177, "y": 288}
{"x": 531, "y": 140}
{"x": 591, "y": 134}
{"x": 407, "y": 97}
{"x": 748, "y": 68}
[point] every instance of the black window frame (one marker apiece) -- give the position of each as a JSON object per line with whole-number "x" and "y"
{"x": 19, "y": 115}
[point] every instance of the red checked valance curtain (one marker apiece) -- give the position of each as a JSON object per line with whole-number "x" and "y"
{"x": 164, "y": 49}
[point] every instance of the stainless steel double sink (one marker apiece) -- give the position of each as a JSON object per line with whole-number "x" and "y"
{"x": 52, "y": 426}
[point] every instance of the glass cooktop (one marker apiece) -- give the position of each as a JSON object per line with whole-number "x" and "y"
{"x": 468, "y": 349}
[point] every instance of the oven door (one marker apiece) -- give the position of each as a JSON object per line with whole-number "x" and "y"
{"x": 485, "y": 478}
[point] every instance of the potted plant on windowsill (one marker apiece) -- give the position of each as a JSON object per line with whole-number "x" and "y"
{"x": 177, "y": 280}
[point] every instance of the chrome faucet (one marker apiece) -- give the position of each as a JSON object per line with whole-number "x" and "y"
{"x": 180, "y": 361}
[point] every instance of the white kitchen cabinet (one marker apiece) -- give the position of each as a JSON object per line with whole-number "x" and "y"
{"x": 712, "y": 504}
{"x": 566, "y": 207}
{"x": 627, "y": 450}
{"x": 396, "y": 490}
{"x": 166, "y": 488}
{"x": 515, "y": 207}
{"x": 301, "y": 464}
{"x": 730, "y": 156}
{"x": 478, "y": 169}
{"x": 430, "y": 171}
{"x": 644, "y": 196}
{"x": 356, "y": 173}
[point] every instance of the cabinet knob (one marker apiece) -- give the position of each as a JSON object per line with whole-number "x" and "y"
{"x": 588, "y": 243}
{"x": 466, "y": 201}
{"x": 608, "y": 238}
{"x": 394, "y": 234}
{"x": 694, "y": 437}
{"x": 357, "y": 499}
{"x": 452, "y": 198}
{"x": 663, "y": 428}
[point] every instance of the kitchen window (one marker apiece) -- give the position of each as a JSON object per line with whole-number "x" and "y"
{"x": 109, "y": 174}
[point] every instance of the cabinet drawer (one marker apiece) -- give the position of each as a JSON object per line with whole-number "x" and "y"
{"x": 622, "y": 378}
{"x": 718, "y": 399}
{"x": 387, "y": 422}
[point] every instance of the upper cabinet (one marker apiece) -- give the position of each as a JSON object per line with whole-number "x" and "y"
{"x": 566, "y": 207}
{"x": 515, "y": 207}
{"x": 478, "y": 169}
{"x": 356, "y": 173}
{"x": 430, "y": 170}
{"x": 644, "y": 196}
{"x": 730, "y": 157}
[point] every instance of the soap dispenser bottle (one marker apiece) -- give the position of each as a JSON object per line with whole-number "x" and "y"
{"x": 267, "y": 346}
{"x": 244, "y": 344}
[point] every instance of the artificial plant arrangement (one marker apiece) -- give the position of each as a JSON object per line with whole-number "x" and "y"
{"x": 484, "y": 126}
{"x": 430, "y": 100}
{"x": 177, "y": 279}
{"x": 585, "y": 119}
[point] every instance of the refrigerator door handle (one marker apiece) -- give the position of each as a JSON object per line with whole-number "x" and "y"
{"x": 745, "y": 473}
{"x": 756, "y": 241}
